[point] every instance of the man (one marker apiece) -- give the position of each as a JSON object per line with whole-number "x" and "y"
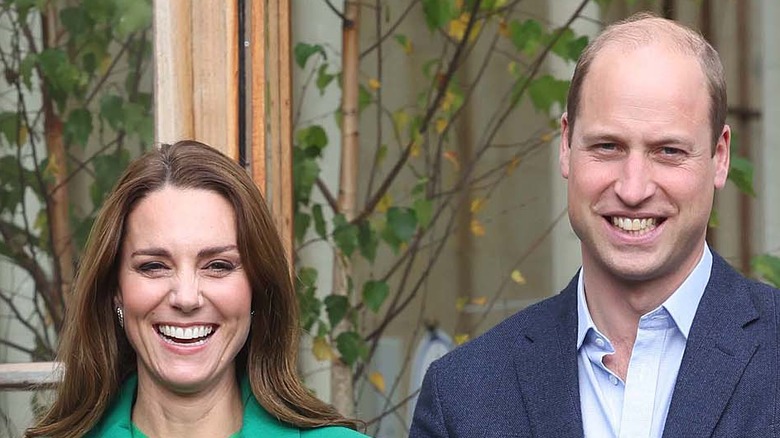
{"x": 656, "y": 335}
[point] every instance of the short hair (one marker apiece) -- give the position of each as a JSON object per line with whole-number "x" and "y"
{"x": 645, "y": 28}
{"x": 94, "y": 349}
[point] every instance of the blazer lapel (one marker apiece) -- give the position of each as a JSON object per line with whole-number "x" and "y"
{"x": 717, "y": 351}
{"x": 546, "y": 366}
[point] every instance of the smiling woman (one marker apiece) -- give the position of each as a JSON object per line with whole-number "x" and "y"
{"x": 183, "y": 321}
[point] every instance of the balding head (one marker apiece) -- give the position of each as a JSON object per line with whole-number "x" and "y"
{"x": 644, "y": 29}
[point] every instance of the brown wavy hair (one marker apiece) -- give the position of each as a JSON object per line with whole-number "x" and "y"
{"x": 95, "y": 353}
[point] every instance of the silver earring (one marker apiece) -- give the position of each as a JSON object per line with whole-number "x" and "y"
{"x": 121, "y": 316}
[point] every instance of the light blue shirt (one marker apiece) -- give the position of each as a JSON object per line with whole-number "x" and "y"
{"x": 637, "y": 408}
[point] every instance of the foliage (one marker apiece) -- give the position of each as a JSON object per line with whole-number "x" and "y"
{"x": 387, "y": 235}
{"x": 74, "y": 111}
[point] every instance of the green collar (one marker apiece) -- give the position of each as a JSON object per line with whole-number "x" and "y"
{"x": 117, "y": 423}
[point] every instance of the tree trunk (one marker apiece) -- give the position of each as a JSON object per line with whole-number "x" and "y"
{"x": 341, "y": 374}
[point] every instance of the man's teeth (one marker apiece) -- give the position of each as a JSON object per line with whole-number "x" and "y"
{"x": 628, "y": 224}
{"x": 188, "y": 333}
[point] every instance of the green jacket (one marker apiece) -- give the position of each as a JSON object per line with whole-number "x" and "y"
{"x": 257, "y": 422}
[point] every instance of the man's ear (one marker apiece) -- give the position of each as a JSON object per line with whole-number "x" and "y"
{"x": 722, "y": 157}
{"x": 564, "y": 148}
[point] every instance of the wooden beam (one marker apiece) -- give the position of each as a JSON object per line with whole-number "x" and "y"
{"x": 196, "y": 72}
{"x": 27, "y": 376}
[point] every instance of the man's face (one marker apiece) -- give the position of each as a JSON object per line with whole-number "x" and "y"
{"x": 640, "y": 169}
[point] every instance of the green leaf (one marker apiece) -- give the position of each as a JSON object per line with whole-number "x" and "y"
{"x": 111, "y": 110}
{"x": 546, "y": 90}
{"x": 768, "y": 267}
{"x": 312, "y": 140}
{"x": 307, "y": 276}
{"x": 26, "y": 69}
{"x": 78, "y": 127}
{"x": 345, "y": 235}
{"x": 301, "y": 223}
{"x": 76, "y": 21}
{"x": 107, "y": 167}
{"x": 365, "y": 98}
{"x": 375, "y": 293}
{"x": 438, "y": 13}
{"x": 305, "y": 172}
{"x": 402, "y": 222}
{"x": 403, "y": 40}
{"x": 423, "y": 210}
{"x": 337, "y": 306}
{"x": 324, "y": 78}
{"x": 526, "y": 36}
{"x": 741, "y": 174}
{"x": 351, "y": 347}
{"x": 368, "y": 241}
{"x": 132, "y": 16}
{"x": 303, "y": 52}
{"x": 319, "y": 221}
{"x": 60, "y": 75}
{"x": 9, "y": 127}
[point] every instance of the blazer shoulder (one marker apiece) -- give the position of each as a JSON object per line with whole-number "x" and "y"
{"x": 540, "y": 318}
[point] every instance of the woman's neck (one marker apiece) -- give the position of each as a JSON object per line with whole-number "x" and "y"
{"x": 215, "y": 411}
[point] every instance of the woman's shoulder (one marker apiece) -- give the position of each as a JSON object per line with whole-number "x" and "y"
{"x": 331, "y": 432}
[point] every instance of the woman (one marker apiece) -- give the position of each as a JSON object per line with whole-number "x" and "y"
{"x": 183, "y": 320}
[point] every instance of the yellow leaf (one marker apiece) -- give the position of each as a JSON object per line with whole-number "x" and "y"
{"x": 384, "y": 203}
{"x": 512, "y": 165}
{"x": 374, "y": 84}
{"x": 449, "y": 98}
{"x": 461, "y": 339}
{"x": 479, "y": 301}
{"x": 503, "y": 28}
{"x": 477, "y": 228}
{"x": 322, "y": 350}
{"x": 21, "y": 138}
{"x": 459, "y": 4}
{"x": 378, "y": 380}
{"x": 546, "y": 138}
{"x": 400, "y": 119}
{"x": 457, "y": 27}
{"x": 460, "y": 303}
{"x": 441, "y": 125}
{"x": 517, "y": 277}
{"x": 53, "y": 167}
{"x": 452, "y": 157}
{"x": 477, "y": 204}
{"x": 512, "y": 68}
{"x": 415, "y": 151}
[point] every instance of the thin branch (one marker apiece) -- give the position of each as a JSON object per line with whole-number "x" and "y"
{"x": 378, "y": 147}
{"x": 16, "y": 346}
{"x": 441, "y": 91}
{"x": 390, "y": 31}
{"x": 332, "y": 202}
{"x": 23, "y": 321}
{"x": 110, "y": 68}
{"x": 340, "y": 14}
{"x": 397, "y": 406}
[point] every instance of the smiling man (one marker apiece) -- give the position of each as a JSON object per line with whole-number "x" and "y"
{"x": 656, "y": 335}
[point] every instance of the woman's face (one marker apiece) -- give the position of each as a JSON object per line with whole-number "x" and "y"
{"x": 183, "y": 289}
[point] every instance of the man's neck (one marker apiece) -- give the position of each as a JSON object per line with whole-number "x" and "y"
{"x": 214, "y": 412}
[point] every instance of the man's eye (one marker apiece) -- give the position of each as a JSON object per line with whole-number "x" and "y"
{"x": 670, "y": 151}
{"x": 607, "y": 146}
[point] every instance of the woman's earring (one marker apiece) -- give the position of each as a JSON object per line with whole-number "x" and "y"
{"x": 121, "y": 316}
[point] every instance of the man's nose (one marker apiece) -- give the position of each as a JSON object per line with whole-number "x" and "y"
{"x": 635, "y": 183}
{"x": 185, "y": 293}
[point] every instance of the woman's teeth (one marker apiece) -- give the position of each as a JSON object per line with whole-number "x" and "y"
{"x": 185, "y": 335}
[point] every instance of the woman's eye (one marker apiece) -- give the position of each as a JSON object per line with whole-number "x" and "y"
{"x": 220, "y": 266}
{"x": 151, "y": 267}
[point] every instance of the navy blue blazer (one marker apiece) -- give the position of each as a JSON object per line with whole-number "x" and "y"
{"x": 520, "y": 378}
